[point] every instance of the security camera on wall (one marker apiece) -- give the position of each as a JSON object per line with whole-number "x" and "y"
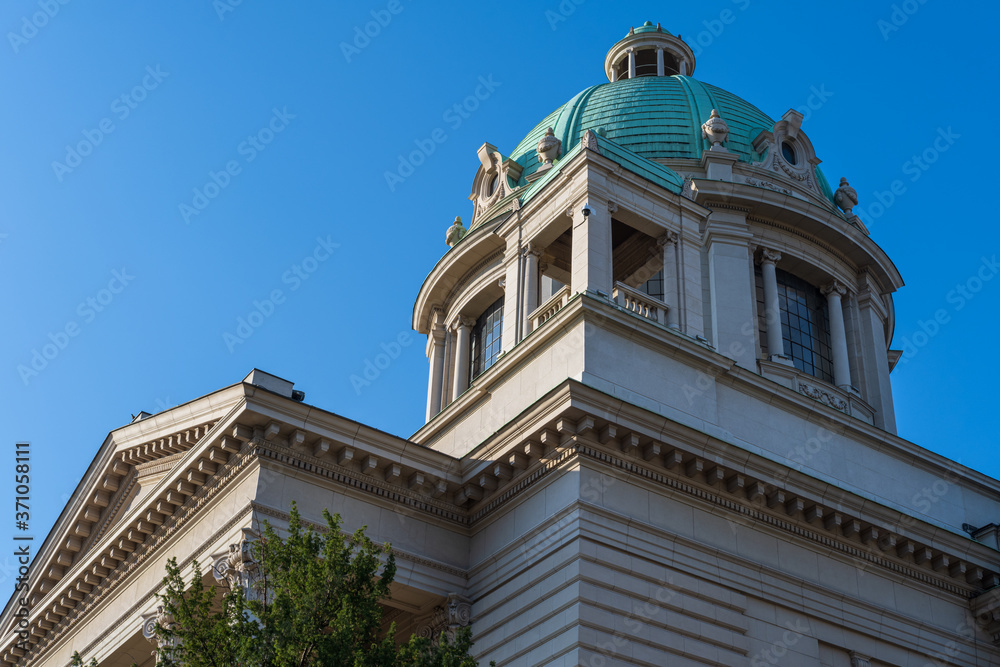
{"x": 586, "y": 210}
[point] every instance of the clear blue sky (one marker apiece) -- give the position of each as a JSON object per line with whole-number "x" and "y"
{"x": 200, "y": 78}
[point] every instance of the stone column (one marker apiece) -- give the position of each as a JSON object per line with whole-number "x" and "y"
{"x": 590, "y": 268}
{"x": 671, "y": 295}
{"x": 631, "y": 63}
{"x": 838, "y": 336}
{"x": 463, "y": 328}
{"x": 435, "y": 355}
{"x": 684, "y": 68}
{"x": 660, "y": 71}
{"x": 874, "y": 363}
{"x": 531, "y": 255}
{"x": 772, "y": 307}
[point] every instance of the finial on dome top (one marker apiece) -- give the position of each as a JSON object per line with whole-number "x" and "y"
{"x": 548, "y": 149}
{"x": 846, "y": 197}
{"x": 716, "y": 131}
{"x": 456, "y": 232}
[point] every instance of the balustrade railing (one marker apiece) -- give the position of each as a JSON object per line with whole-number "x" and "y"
{"x": 640, "y": 303}
{"x": 547, "y": 310}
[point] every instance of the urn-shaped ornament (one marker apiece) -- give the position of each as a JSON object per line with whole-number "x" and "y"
{"x": 548, "y": 147}
{"x": 715, "y": 130}
{"x": 846, "y": 197}
{"x": 456, "y": 232}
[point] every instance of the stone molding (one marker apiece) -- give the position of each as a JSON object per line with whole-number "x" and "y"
{"x": 546, "y": 448}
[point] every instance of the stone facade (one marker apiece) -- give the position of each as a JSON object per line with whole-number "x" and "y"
{"x": 638, "y": 458}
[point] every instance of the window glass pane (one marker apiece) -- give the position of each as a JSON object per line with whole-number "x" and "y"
{"x": 486, "y": 333}
{"x": 804, "y": 325}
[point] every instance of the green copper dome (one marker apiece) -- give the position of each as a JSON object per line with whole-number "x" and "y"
{"x": 655, "y": 117}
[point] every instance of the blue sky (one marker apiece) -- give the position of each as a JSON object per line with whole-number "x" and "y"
{"x": 166, "y": 169}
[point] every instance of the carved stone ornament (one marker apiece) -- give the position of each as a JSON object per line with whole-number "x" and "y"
{"x": 834, "y": 287}
{"x": 824, "y": 397}
{"x": 846, "y": 197}
{"x": 549, "y": 148}
{"x": 715, "y": 130}
{"x": 454, "y": 614}
{"x": 767, "y": 185}
{"x": 860, "y": 660}
{"x": 239, "y": 569}
{"x": 149, "y": 623}
{"x": 590, "y": 141}
{"x": 456, "y": 232}
{"x": 772, "y": 256}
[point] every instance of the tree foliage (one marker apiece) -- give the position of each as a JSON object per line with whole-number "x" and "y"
{"x": 312, "y": 600}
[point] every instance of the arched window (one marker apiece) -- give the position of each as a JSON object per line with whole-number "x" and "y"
{"x": 485, "y": 346}
{"x": 805, "y": 324}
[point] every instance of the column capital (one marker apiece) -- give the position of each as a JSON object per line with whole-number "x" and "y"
{"x": 612, "y": 207}
{"x": 532, "y": 248}
{"x": 860, "y": 660}
{"x": 768, "y": 256}
{"x": 668, "y": 238}
{"x": 464, "y": 322}
{"x": 833, "y": 288}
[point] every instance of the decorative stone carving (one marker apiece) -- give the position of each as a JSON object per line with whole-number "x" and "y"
{"x": 767, "y": 185}
{"x": 456, "y": 232}
{"x": 716, "y": 131}
{"x": 824, "y": 397}
{"x": 549, "y": 148}
{"x": 454, "y": 614}
{"x": 668, "y": 238}
{"x": 590, "y": 141}
{"x": 149, "y": 623}
{"x": 986, "y": 609}
{"x": 834, "y": 287}
{"x": 612, "y": 207}
{"x": 238, "y": 568}
{"x": 770, "y": 256}
{"x": 859, "y": 660}
{"x": 846, "y": 197}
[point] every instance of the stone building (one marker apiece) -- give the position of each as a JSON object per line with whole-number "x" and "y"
{"x": 659, "y": 429}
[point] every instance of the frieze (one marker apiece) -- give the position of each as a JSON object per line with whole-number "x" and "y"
{"x": 824, "y": 397}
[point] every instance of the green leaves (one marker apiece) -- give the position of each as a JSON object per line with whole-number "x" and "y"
{"x": 310, "y": 599}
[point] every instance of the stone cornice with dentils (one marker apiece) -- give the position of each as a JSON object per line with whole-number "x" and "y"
{"x": 82, "y": 559}
{"x": 576, "y": 435}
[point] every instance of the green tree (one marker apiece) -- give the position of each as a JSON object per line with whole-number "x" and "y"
{"x": 313, "y": 600}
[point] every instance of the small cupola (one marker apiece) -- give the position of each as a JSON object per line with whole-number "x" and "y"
{"x": 649, "y": 50}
